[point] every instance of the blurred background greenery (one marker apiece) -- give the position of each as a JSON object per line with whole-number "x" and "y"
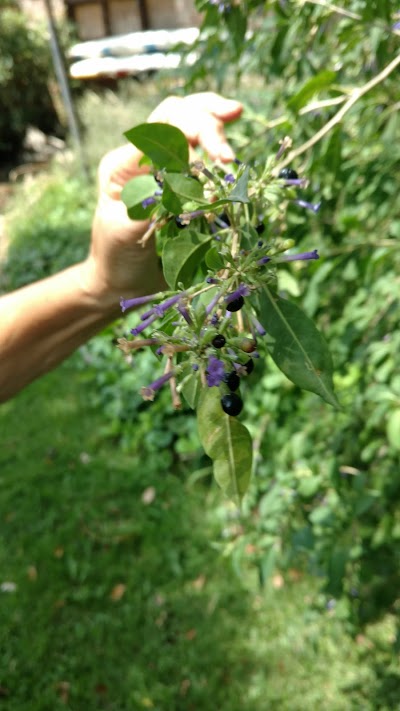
{"x": 127, "y": 581}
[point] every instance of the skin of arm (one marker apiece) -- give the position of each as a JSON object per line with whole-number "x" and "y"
{"x": 44, "y": 322}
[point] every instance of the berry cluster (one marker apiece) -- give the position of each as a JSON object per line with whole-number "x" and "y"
{"x": 210, "y": 331}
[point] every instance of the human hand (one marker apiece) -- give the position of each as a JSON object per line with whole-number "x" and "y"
{"x": 117, "y": 264}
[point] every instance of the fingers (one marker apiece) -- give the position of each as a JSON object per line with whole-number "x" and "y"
{"x": 117, "y": 167}
{"x": 201, "y": 117}
{"x": 224, "y": 109}
{"x": 211, "y": 137}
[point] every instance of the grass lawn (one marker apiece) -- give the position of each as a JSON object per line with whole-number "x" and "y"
{"x": 119, "y": 599}
{"x": 115, "y": 593}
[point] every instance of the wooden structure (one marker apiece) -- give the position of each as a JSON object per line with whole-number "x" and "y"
{"x": 95, "y": 19}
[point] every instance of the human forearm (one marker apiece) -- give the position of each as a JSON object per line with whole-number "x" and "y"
{"x": 43, "y": 323}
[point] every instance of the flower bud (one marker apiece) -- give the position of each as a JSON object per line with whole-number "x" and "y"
{"x": 248, "y": 345}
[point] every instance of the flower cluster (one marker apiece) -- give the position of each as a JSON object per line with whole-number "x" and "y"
{"x": 212, "y": 331}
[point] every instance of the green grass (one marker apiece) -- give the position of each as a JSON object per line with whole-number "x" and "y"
{"x": 119, "y": 604}
{"x": 187, "y": 632}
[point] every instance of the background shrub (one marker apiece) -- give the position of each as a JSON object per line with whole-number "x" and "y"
{"x": 25, "y": 72}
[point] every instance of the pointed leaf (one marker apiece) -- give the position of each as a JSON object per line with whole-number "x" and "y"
{"x": 191, "y": 390}
{"x": 165, "y": 145}
{"x": 181, "y": 189}
{"x": 296, "y": 346}
{"x": 318, "y": 82}
{"x": 182, "y": 255}
{"x": 239, "y": 192}
{"x": 227, "y": 442}
{"x": 214, "y": 260}
{"x": 133, "y": 194}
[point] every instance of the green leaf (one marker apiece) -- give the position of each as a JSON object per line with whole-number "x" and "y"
{"x": 296, "y": 346}
{"x": 133, "y": 194}
{"x": 165, "y": 145}
{"x": 236, "y": 21}
{"x": 181, "y": 256}
{"x": 310, "y": 88}
{"x": 191, "y": 390}
{"x": 239, "y": 192}
{"x": 214, "y": 260}
{"x": 227, "y": 442}
{"x": 393, "y": 429}
{"x": 179, "y": 189}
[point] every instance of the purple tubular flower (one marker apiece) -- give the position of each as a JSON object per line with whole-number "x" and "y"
{"x": 215, "y": 371}
{"x": 221, "y": 223}
{"x": 258, "y": 326}
{"x": 303, "y": 256}
{"x": 300, "y": 182}
{"x": 191, "y": 215}
{"x": 138, "y": 329}
{"x": 214, "y": 319}
{"x": 263, "y": 260}
{"x": 211, "y": 306}
{"x": 308, "y": 205}
{"x": 148, "y": 201}
{"x": 160, "y": 309}
{"x": 195, "y": 367}
{"x": 149, "y": 392}
{"x": 185, "y": 313}
{"x": 139, "y": 301}
{"x": 242, "y": 290}
{"x": 212, "y": 280}
{"x": 229, "y": 178}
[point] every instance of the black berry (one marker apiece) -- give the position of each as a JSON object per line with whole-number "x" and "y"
{"x": 224, "y": 217}
{"x": 249, "y": 366}
{"x": 231, "y": 404}
{"x": 236, "y": 304}
{"x": 288, "y": 174}
{"x": 218, "y": 341}
{"x": 260, "y": 228}
{"x": 179, "y": 223}
{"x": 232, "y": 380}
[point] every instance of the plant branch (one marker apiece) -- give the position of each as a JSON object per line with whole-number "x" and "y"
{"x": 356, "y": 94}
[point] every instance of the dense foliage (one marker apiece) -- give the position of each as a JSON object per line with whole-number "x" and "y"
{"x": 25, "y": 71}
{"x": 116, "y": 549}
{"x": 327, "y": 485}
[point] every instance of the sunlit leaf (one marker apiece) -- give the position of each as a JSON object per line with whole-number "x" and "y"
{"x": 318, "y": 82}
{"x": 296, "y": 346}
{"x": 191, "y": 390}
{"x": 166, "y": 145}
{"x": 180, "y": 189}
{"x": 181, "y": 256}
{"x": 214, "y": 260}
{"x": 227, "y": 442}
{"x": 239, "y": 192}
{"x": 133, "y": 194}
